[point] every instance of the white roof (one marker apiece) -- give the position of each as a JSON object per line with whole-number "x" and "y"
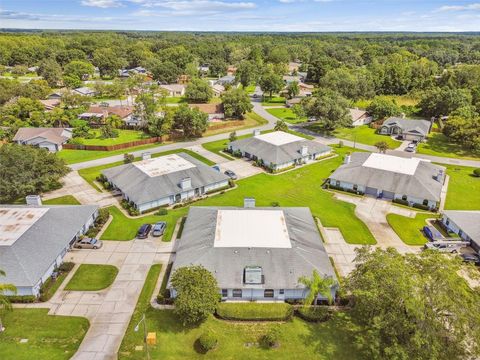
{"x": 279, "y": 138}
{"x": 14, "y": 222}
{"x": 253, "y": 228}
{"x": 391, "y": 163}
{"x": 163, "y": 165}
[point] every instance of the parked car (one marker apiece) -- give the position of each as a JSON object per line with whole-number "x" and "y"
{"x": 88, "y": 243}
{"x": 471, "y": 258}
{"x": 443, "y": 247}
{"x": 144, "y": 231}
{"x": 216, "y": 167}
{"x": 411, "y": 147}
{"x": 432, "y": 233}
{"x": 159, "y": 228}
{"x": 231, "y": 174}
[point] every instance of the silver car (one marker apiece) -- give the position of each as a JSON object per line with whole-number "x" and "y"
{"x": 89, "y": 243}
{"x": 442, "y": 247}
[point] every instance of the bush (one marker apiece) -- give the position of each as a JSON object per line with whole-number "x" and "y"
{"x": 476, "y": 172}
{"x": 401, "y": 201}
{"x": 128, "y": 158}
{"x": 207, "y": 341}
{"x": 314, "y": 313}
{"x": 66, "y": 266}
{"x": 255, "y": 311}
{"x": 274, "y": 204}
{"x": 271, "y": 338}
{"x": 421, "y": 206}
{"x": 161, "y": 212}
{"x": 103, "y": 216}
{"x": 22, "y": 299}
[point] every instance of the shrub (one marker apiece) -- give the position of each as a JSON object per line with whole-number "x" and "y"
{"x": 161, "y": 212}
{"x": 421, "y": 206}
{"x": 207, "y": 341}
{"x": 476, "y": 172}
{"x": 255, "y": 311}
{"x": 128, "y": 158}
{"x": 271, "y": 338}
{"x": 401, "y": 201}
{"x": 103, "y": 215}
{"x": 66, "y": 266}
{"x": 274, "y": 204}
{"x": 101, "y": 178}
{"x": 314, "y": 313}
{"x": 22, "y": 299}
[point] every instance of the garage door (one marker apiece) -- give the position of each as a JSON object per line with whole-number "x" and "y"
{"x": 388, "y": 194}
{"x": 370, "y": 191}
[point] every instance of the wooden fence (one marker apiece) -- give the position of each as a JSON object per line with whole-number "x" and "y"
{"x": 113, "y": 147}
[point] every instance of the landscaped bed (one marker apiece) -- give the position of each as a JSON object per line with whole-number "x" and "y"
{"x": 410, "y": 229}
{"x": 252, "y": 311}
{"x": 92, "y": 277}
{"x": 49, "y": 337}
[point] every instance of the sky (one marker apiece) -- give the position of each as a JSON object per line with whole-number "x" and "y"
{"x": 243, "y": 15}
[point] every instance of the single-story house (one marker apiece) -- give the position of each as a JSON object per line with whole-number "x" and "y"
{"x": 306, "y": 89}
{"x": 57, "y": 94}
{"x": 224, "y": 80}
{"x": 100, "y": 113}
{"x": 288, "y": 79}
{"x": 164, "y": 180}
{"x": 407, "y": 128}
{"x": 415, "y": 180}
{"x": 35, "y": 239}
{"x": 465, "y": 224}
{"x": 50, "y": 104}
{"x": 254, "y": 253}
{"x": 175, "y": 90}
{"x": 279, "y": 150}
{"x": 293, "y": 101}
{"x": 51, "y": 139}
{"x": 214, "y": 111}
{"x": 218, "y": 90}
{"x": 85, "y": 91}
{"x": 360, "y": 117}
{"x": 127, "y": 72}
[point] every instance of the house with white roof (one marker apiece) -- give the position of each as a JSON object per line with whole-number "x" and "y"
{"x": 165, "y": 180}
{"x": 254, "y": 253}
{"x": 34, "y": 240}
{"x": 279, "y": 150}
{"x": 414, "y": 180}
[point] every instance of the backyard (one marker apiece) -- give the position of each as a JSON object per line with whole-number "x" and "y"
{"x": 409, "y": 229}
{"x": 92, "y": 277}
{"x": 439, "y": 145}
{"x": 251, "y": 120}
{"x": 463, "y": 189}
{"x": 301, "y": 187}
{"x": 49, "y": 337}
{"x": 365, "y": 135}
{"x": 124, "y": 136}
{"x": 287, "y": 115}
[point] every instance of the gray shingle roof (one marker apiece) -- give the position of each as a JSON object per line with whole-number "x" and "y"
{"x": 281, "y": 266}
{"x": 141, "y": 188}
{"x": 409, "y": 126}
{"x": 278, "y": 154}
{"x": 29, "y": 257}
{"x": 467, "y": 221}
{"x": 421, "y": 184}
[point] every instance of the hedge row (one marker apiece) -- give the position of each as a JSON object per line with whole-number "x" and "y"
{"x": 255, "y": 311}
{"x": 313, "y": 313}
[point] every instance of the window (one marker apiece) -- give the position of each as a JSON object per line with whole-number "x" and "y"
{"x": 355, "y": 187}
{"x": 237, "y": 293}
{"x": 268, "y": 293}
{"x": 404, "y": 197}
{"x": 224, "y": 293}
{"x": 281, "y": 291}
{"x": 447, "y": 222}
{"x": 425, "y": 202}
{"x": 337, "y": 183}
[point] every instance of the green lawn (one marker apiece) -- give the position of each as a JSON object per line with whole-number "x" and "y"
{"x": 124, "y": 136}
{"x": 365, "y": 135}
{"x": 439, "y": 145}
{"x": 250, "y": 89}
{"x": 409, "y": 229}
{"x": 301, "y": 187}
{"x": 273, "y": 101}
{"x": 175, "y": 99}
{"x": 62, "y": 200}
{"x": 463, "y": 189}
{"x": 90, "y": 174}
{"x": 77, "y": 156}
{"x": 217, "y": 146}
{"x": 92, "y": 277}
{"x": 287, "y": 115}
{"x": 49, "y": 337}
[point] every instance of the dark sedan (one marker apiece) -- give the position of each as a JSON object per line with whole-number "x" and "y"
{"x": 144, "y": 231}
{"x": 231, "y": 174}
{"x": 471, "y": 258}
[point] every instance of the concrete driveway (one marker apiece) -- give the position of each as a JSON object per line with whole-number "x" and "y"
{"x": 241, "y": 167}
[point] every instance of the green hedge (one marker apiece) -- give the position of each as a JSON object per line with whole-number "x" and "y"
{"x": 401, "y": 202}
{"x": 22, "y": 299}
{"x": 255, "y": 311}
{"x": 314, "y": 313}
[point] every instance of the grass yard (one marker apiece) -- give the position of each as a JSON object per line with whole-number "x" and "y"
{"x": 251, "y": 120}
{"x": 301, "y": 187}
{"x": 273, "y": 101}
{"x": 364, "y": 135}
{"x": 77, "y": 156}
{"x": 62, "y": 200}
{"x": 409, "y": 229}
{"x": 463, "y": 189}
{"x": 124, "y": 136}
{"x": 439, "y": 145}
{"x": 175, "y": 99}
{"x": 49, "y": 337}
{"x": 287, "y": 115}
{"x": 92, "y": 277}
{"x": 399, "y": 99}
{"x": 90, "y": 174}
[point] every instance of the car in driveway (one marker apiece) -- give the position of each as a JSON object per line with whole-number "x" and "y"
{"x": 411, "y": 148}
{"x": 471, "y": 259}
{"x": 144, "y": 230}
{"x": 443, "y": 247}
{"x": 231, "y": 174}
{"x": 159, "y": 228}
{"x": 88, "y": 243}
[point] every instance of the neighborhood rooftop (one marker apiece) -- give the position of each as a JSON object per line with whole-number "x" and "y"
{"x": 53, "y": 135}
{"x": 467, "y": 221}
{"x": 14, "y": 222}
{"x": 163, "y": 165}
{"x": 279, "y": 138}
{"x": 401, "y": 165}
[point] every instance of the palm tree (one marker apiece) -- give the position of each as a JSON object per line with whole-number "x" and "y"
{"x": 4, "y": 301}
{"x": 317, "y": 285}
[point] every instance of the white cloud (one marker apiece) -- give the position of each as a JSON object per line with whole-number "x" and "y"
{"x": 104, "y": 4}
{"x": 475, "y": 6}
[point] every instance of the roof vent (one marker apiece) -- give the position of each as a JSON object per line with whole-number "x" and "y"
{"x": 186, "y": 183}
{"x": 146, "y": 155}
{"x": 249, "y": 202}
{"x": 256, "y": 132}
{"x": 33, "y": 200}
